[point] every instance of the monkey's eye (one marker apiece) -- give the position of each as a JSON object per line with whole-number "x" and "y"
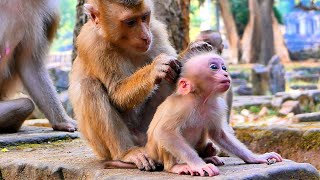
{"x": 224, "y": 68}
{"x": 213, "y": 67}
{"x": 130, "y": 22}
{"x": 145, "y": 17}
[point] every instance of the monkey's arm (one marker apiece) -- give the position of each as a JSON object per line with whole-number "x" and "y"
{"x": 36, "y": 80}
{"x": 133, "y": 90}
{"x": 229, "y": 142}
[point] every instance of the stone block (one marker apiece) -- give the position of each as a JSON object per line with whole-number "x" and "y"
{"x": 290, "y": 107}
{"x": 74, "y": 160}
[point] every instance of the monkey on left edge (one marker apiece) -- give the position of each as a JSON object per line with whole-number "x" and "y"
{"x": 26, "y": 30}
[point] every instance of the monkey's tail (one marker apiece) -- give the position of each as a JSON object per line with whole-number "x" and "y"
{"x": 116, "y": 164}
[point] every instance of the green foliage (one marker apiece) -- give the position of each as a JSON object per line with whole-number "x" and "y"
{"x": 278, "y": 15}
{"x": 255, "y": 109}
{"x": 240, "y": 12}
{"x": 64, "y": 38}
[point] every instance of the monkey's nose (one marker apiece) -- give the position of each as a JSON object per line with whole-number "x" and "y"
{"x": 146, "y": 41}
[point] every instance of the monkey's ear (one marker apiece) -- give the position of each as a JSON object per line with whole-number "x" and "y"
{"x": 92, "y": 12}
{"x": 184, "y": 86}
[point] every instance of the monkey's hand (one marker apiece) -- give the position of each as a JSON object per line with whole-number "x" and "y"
{"x": 263, "y": 158}
{"x": 209, "y": 150}
{"x": 214, "y": 160}
{"x": 202, "y": 170}
{"x": 67, "y": 124}
{"x": 139, "y": 157}
{"x": 165, "y": 67}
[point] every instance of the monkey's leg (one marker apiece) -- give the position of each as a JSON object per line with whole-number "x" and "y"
{"x": 13, "y": 113}
{"x": 101, "y": 123}
{"x": 105, "y": 129}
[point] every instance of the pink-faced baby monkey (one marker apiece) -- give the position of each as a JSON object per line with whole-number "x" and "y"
{"x": 195, "y": 112}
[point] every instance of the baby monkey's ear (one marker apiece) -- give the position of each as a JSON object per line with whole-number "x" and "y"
{"x": 184, "y": 86}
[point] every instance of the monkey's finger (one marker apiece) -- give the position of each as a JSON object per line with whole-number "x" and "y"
{"x": 172, "y": 74}
{"x": 214, "y": 169}
{"x": 144, "y": 162}
{"x": 175, "y": 66}
{"x": 201, "y": 172}
{"x": 152, "y": 163}
{"x": 138, "y": 163}
{"x": 277, "y": 157}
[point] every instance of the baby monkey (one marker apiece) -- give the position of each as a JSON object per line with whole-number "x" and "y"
{"x": 181, "y": 130}
{"x": 184, "y": 122}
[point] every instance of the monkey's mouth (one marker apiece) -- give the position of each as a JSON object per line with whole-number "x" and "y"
{"x": 227, "y": 81}
{"x": 143, "y": 48}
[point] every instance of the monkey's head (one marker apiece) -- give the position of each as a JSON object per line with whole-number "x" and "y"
{"x": 213, "y": 38}
{"x": 204, "y": 73}
{"x": 123, "y": 23}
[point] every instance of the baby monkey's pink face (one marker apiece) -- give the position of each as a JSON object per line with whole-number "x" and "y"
{"x": 210, "y": 70}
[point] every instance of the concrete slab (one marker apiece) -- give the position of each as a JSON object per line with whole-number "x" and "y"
{"x": 33, "y": 134}
{"x": 74, "y": 160}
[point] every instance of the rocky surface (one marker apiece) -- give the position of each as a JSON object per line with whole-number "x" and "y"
{"x": 32, "y": 134}
{"x": 74, "y": 160}
{"x": 307, "y": 117}
{"x": 299, "y": 142}
{"x": 242, "y": 101}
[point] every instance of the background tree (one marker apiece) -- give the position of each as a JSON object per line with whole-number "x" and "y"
{"x": 81, "y": 19}
{"x": 231, "y": 29}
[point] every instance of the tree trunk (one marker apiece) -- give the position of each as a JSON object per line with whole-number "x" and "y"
{"x": 231, "y": 29}
{"x": 257, "y": 41}
{"x": 267, "y": 41}
{"x": 175, "y": 14}
{"x": 80, "y": 21}
{"x": 279, "y": 45}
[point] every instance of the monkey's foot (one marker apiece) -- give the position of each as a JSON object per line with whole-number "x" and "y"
{"x": 139, "y": 157}
{"x": 69, "y": 125}
{"x": 182, "y": 169}
{"x": 214, "y": 160}
{"x": 204, "y": 170}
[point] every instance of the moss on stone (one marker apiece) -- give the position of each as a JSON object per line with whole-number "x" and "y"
{"x": 38, "y": 145}
{"x": 311, "y": 140}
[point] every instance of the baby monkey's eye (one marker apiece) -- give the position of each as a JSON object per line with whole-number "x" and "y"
{"x": 224, "y": 68}
{"x": 213, "y": 67}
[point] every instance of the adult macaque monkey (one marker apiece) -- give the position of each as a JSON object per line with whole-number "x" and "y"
{"x": 196, "y": 111}
{"x": 215, "y": 40}
{"x": 116, "y": 80}
{"x": 27, "y": 28}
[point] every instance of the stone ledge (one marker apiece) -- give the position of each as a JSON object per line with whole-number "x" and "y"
{"x": 32, "y": 134}
{"x": 74, "y": 160}
{"x": 299, "y": 142}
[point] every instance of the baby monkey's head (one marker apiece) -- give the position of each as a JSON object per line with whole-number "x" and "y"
{"x": 203, "y": 71}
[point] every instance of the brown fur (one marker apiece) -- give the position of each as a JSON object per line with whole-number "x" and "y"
{"x": 115, "y": 88}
